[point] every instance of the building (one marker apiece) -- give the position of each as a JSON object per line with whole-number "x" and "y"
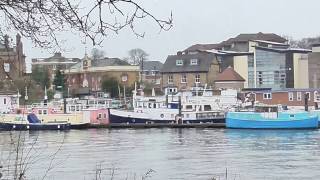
{"x": 240, "y": 43}
{"x": 8, "y": 101}
{"x": 86, "y": 77}
{"x": 150, "y": 72}
{"x": 288, "y": 97}
{"x": 12, "y": 59}
{"x": 187, "y": 71}
{"x": 264, "y": 60}
{"x": 229, "y": 79}
{"x": 314, "y": 66}
{"x": 53, "y": 63}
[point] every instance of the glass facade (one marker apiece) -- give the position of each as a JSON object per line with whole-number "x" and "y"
{"x": 270, "y": 69}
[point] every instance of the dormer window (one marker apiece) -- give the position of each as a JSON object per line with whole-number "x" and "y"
{"x": 179, "y": 62}
{"x": 194, "y": 62}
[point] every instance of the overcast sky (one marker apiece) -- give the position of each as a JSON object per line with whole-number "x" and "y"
{"x": 201, "y": 21}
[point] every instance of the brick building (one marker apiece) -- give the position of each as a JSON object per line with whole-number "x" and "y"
{"x": 186, "y": 71}
{"x": 289, "y": 97}
{"x": 12, "y": 59}
{"x": 86, "y": 77}
{"x": 229, "y": 79}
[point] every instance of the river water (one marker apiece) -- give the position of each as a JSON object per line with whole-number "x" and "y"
{"x": 168, "y": 154}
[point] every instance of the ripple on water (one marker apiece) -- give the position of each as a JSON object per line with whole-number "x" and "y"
{"x": 176, "y": 153}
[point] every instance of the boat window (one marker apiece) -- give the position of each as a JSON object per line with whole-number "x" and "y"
{"x": 207, "y": 107}
{"x": 99, "y": 116}
{"x": 44, "y": 111}
{"x": 149, "y": 105}
{"x": 187, "y": 115}
{"x": 188, "y": 106}
{"x": 291, "y": 115}
{"x": 104, "y": 115}
{"x": 154, "y": 105}
{"x": 162, "y": 115}
{"x": 40, "y": 112}
{"x": 172, "y": 115}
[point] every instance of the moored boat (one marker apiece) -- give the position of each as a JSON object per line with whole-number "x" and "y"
{"x": 268, "y": 117}
{"x": 30, "y": 122}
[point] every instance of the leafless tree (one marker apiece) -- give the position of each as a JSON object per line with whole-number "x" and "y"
{"x": 42, "y": 20}
{"x": 137, "y": 56}
{"x": 97, "y": 54}
{"x": 19, "y": 155}
{"x": 304, "y": 43}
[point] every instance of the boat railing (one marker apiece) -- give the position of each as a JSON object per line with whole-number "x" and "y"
{"x": 208, "y": 115}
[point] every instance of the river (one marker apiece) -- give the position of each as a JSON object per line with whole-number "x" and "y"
{"x": 199, "y": 154}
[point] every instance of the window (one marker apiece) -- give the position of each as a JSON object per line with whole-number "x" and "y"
{"x": 179, "y": 62}
{"x": 315, "y": 96}
{"x": 267, "y": 96}
{"x": 193, "y": 61}
{"x": 124, "y": 78}
{"x": 6, "y": 67}
{"x": 197, "y": 78}
{"x": 170, "y": 79}
{"x": 183, "y": 78}
{"x": 4, "y": 101}
{"x": 99, "y": 116}
{"x": 308, "y": 94}
{"x": 290, "y": 94}
{"x": 298, "y": 96}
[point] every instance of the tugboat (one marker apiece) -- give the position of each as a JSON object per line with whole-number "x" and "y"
{"x": 31, "y": 122}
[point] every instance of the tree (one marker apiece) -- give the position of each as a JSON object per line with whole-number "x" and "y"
{"x": 111, "y": 86}
{"x": 304, "y": 43}
{"x": 41, "y": 76}
{"x": 137, "y": 56}
{"x": 40, "y": 21}
{"x": 59, "y": 80}
{"x": 97, "y": 54}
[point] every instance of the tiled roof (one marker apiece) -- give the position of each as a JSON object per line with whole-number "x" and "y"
{"x": 108, "y": 62}
{"x": 240, "y": 38}
{"x": 204, "y": 60}
{"x": 202, "y": 47}
{"x": 229, "y": 74}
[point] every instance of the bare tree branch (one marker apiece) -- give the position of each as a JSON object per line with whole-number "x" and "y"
{"x": 42, "y": 20}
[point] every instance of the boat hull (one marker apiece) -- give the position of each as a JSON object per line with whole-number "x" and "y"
{"x": 238, "y": 123}
{"x": 33, "y": 127}
{"x": 117, "y": 119}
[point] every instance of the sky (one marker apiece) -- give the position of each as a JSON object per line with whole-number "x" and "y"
{"x": 198, "y": 21}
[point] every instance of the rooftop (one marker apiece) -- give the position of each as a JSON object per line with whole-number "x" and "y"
{"x": 204, "y": 61}
{"x": 229, "y": 74}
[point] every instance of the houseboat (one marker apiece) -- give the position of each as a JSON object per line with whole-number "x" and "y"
{"x": 269, "y": 117}
{"x": 170, "y": 109}
{"x": 30, "y": 122}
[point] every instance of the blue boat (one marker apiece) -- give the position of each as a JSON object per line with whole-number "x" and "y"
{"x": 31, "y": 122}
{"x": 270, "y": 118}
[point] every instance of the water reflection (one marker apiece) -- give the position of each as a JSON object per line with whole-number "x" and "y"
{"x": 177, "y": 153}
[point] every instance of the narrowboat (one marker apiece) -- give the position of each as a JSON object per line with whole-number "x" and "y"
{"x": 31, "y": 122}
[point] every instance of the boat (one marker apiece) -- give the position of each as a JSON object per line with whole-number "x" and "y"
{"x": 30, "y": 122}
{"x": 269, "y": 117}
{"x": 164, "y": 110}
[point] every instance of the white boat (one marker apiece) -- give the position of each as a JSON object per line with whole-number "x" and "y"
{"x": 172, "y": 109}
